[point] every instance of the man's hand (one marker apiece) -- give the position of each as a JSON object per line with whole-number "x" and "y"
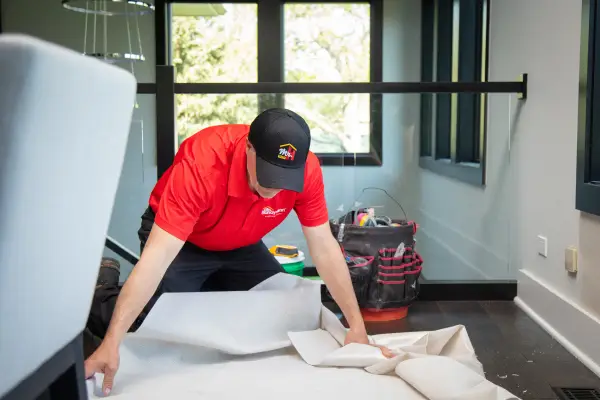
{"x": 159, "y": 252}
{"x": 331, "y": 265}
{"x": 357, "y": 336}
{"x": 104, "y": 360}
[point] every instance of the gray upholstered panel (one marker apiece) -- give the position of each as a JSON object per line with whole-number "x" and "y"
{"x": 64, "y": 121}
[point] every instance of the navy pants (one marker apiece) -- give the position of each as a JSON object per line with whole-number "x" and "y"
{"x": 193, "y": 270}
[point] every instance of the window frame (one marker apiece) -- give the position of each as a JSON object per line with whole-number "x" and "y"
{"x": 588, "y": 129}
{"x": 270, "y": 48}
{"x": 453, "y": 126}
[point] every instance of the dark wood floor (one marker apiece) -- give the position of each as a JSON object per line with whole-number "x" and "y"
{"x": 515, "y": 352}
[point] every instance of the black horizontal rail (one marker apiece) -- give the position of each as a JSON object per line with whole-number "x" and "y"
{"x": 146, "y": 88}
{"x": 352, "y": 87}
{"x": 517, "y": 87}
{"x": 121, "y": 250}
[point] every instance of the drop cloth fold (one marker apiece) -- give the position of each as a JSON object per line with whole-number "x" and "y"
{"x": 278, "y": 341}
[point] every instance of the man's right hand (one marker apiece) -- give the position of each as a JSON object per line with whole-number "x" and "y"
{"x": 104, "y": 360}
{"x": 160, "y": 250}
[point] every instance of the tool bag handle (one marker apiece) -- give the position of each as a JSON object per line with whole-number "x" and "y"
{"x": 350, "y": 214}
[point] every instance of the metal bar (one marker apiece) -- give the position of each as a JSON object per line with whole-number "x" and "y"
{"x": 427, "y": 73}
{"x": 165, "y": 118}
{"x": 0, "y": 16}
{"x": 208, "y": 1}
{"x": 376, "y": 45}
{"x": 168, "y": 35}
{"x": 121, "y": 250}
{"x": 161, "y": 29}
{"x": 270, "y": 40}
{"x": 481, "y": 145}
{"x": 376, "y": 75}
{"x": 456, "y": 53}
{"x": 352, "y": 87}
{"x": 255, "y": 1}
{"x": 445, "y": 24}
{"x": 146, "y": 88}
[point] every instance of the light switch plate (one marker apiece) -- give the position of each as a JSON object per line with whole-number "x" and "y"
{"x": 571, "y": 259}
{"x": 542, "y": 246}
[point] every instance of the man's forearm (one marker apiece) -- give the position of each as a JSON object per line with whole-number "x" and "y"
{"x": 159, "y": 252}
{"x": 134, "y": 296}
{"x": 333, "y": 270}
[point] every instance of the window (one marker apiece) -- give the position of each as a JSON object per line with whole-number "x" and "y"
{"x": 213, "y": 43}
{"x": 454, "y": 48}
{"x": 588, "y": 136}
{"x": 280, "y": 42}
{"x": 317, "y": 50}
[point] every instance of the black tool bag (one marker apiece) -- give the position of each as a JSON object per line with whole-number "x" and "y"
{"x": 380, "y": 280}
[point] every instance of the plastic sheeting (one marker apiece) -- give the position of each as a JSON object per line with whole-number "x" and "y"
{"x": 277, "y": 341}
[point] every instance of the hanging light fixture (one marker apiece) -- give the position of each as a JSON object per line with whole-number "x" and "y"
{"x": 95, "y": 36}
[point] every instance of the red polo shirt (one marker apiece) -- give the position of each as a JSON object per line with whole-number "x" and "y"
{"x": 204, "y": 197}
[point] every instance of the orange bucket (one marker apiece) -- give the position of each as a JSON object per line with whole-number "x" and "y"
{"x": 392, "y": 314}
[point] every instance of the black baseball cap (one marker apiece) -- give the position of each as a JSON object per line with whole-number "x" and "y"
{"x": 281, "y": 139}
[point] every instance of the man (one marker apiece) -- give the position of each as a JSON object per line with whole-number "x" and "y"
{"x": 228, "y": 187}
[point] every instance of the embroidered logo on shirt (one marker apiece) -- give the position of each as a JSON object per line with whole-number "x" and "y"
{"x": 270, "y": 212}
{"x": 287, "y": 152}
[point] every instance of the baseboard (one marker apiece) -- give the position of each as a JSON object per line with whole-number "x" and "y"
{"x": 573, "y": 327}
{"x": 458, "y": 291}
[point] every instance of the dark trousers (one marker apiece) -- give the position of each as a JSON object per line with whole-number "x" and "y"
{"x": 193, "y": 270}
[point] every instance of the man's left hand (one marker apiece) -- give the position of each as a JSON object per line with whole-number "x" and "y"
{"x": 356, "y": 336}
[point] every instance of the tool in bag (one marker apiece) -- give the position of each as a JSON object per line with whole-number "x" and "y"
{"x": 381, "y": 257}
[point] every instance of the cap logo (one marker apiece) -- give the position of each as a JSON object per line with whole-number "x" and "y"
{"x": 287, "y": 152}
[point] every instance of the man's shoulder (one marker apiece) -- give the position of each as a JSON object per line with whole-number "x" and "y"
{"x": 213, "y": 143}
{"x": 313, "y": 174}
{"x": 225, "y": 135}
{"x": 313, "y": 164}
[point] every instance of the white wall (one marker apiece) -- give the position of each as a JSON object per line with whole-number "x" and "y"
{"x": 465, "y": 229}
{"x": 542, "y": 38}
{"x": 50, "y": 21}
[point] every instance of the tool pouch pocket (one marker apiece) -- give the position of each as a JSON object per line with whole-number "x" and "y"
{"x": 394, "y": 280}
{"x": 361, "y": 269}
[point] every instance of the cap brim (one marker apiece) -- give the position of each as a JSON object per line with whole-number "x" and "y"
{"x": 275, "y": 177}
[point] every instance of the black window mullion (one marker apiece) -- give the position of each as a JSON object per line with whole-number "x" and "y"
{"x": 0, "y": 16}
{"x": 469, "y": 71}
{"x": 427, "y": 60}
{"x": 162, "y": 23}
{"x": 588, "y": 134}
{"x": 166, "y": 137}
{"x": 376, "y": 75}
{"x": 592, "y": 153}
{"x": 270, "y": 49}
{"x": 443, "y": 111}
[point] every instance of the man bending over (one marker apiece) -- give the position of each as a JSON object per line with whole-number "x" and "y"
{"x": 228, "y": 187}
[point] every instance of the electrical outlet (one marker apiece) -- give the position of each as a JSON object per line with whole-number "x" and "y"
{"x": 542, "y": 245}
{"x": 571, "y": 259}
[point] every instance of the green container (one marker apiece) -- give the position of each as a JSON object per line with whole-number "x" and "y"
{"x": 293, "y": 266}
{"x": 296, "y": 268}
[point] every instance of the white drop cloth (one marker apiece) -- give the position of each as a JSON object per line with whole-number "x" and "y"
{"x": 278, "y": 342}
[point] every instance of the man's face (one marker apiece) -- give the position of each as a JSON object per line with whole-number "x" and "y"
{"x": 263, "y": 192}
